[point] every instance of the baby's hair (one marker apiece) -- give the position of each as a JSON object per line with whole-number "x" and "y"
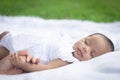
{"x": 106, "y": 38}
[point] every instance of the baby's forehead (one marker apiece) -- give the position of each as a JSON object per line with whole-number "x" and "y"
{"x": 96, "y": 37}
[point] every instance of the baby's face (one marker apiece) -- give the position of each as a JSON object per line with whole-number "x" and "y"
{"x": 90, "y": 47}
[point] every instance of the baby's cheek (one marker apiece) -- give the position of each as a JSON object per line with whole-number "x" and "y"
{"x": 86, "y": 57}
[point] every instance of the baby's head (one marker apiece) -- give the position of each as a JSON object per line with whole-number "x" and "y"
{"x": 92, "y": 46}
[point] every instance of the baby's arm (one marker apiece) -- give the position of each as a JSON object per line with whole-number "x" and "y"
{"x": 20, "y": 62}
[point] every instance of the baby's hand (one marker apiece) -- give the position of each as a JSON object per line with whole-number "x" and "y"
{"x": 18, "y": 61}
{"x": 29, "y": 58}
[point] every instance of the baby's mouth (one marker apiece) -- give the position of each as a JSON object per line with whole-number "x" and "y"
{"x": 79, "y": 52}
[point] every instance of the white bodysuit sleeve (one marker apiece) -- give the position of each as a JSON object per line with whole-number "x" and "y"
{"x": 7, "y": 42}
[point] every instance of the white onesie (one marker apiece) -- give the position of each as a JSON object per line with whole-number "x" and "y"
{"x": 47, "y": 50}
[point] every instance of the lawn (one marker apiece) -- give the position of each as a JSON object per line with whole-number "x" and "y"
{"x": 94, "y": 10}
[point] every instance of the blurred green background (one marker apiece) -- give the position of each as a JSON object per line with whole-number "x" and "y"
{"x": 93, "y": 10}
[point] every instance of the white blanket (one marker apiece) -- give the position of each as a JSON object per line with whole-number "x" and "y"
{"x": 105, "y": 67}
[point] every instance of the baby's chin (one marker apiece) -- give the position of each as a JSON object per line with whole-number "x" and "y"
{"x": 80, "y": 58}
{"x": 76, "y": 56}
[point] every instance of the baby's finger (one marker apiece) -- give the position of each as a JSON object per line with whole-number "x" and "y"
{"x": 38, "y": 61}
{"x": 11, "y": 56}
{"x": 29, "y": 58}
{"x": 33, "y": 60}
{"x": 15, "y": 56}
{"x": 23, "y": 52}
{"x": 12, "y": 59}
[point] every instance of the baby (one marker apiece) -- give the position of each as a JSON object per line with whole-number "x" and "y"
{"x": 58, "y": 55}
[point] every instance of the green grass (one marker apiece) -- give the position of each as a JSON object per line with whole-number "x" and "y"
{"x": 94, "y": 10}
